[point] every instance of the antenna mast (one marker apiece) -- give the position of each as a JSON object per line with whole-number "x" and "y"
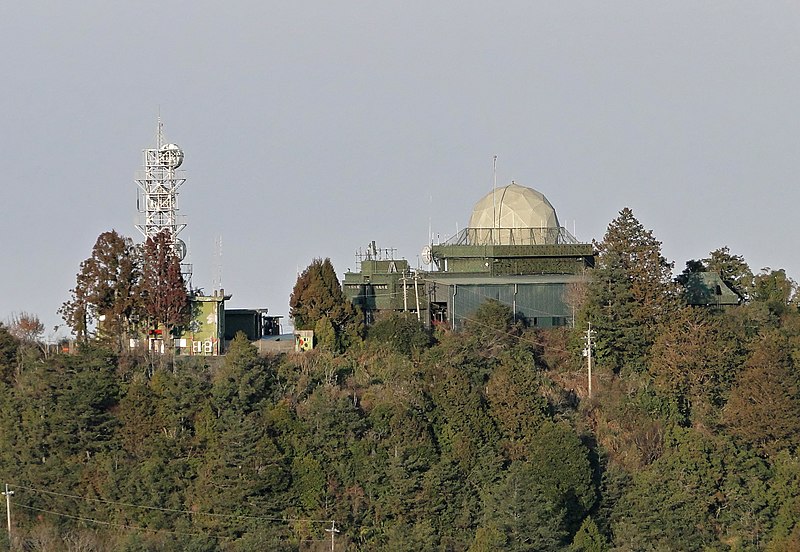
{"x": 496, "y": 223}
{"x": 157, "y": 201}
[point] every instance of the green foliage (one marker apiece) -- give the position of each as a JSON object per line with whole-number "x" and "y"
{"x": 493, "y": 325}
{"x": 317, "y": 294}
{"x": 774, "y": 289}
{"x": 630, "y": 295}
{"x": 8, "y": 354}
{"x": 516, "y": 404}
{"x": 764, "y": 405}
{"x": 588, "y": 538}
{"x": 482, "y": 440}
{"x": 695, "y": 359}
{"x": 525, "y": 513}
{"x": 121, "y": 284}
{"x": 325, "y": 335}
{"x": 732, "y": 269}
{"x": 401, "y": 333}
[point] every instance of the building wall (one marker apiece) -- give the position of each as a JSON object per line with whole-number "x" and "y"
{"x": 383, "y": 286}
{"x": 204, "y": 335}
{"x": 537, "y": 304}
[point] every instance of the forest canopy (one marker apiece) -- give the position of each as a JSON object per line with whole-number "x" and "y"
{"x": 480, "y": 440}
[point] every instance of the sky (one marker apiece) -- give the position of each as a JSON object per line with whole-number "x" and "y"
{"x": 312, "y": 128}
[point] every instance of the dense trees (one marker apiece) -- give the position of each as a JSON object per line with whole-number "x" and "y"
{"x": 121, "y": 284}
{"x": 106, "y": 287}
{"x": 474, "y": 441}
{"x": 630, "y": 294}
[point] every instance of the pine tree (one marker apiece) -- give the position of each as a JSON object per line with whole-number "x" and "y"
{"x": 317, "y": 294}
{"x": 764, "y": 405}
{"x": 630, "y": 294}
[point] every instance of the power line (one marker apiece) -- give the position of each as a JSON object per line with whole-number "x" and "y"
{"x": 170, "y": 510}
{"x": 140, "y": 528}
{"x": 120, "y": 525}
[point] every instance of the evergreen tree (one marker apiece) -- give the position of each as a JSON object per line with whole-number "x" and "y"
{"x": 774, "y": 289}
{"x": 764, "y": 405}
{"x": 317, "y": 294}
{"x": 588, "y": 538}
{"x": 630, "y": 294}
{"x": 106, "y": 289}
{"x": 525, "y": 513}
{"x": 8, "y": 354}
{"x": 403, "y": 334}
{"x": 695, "y": 359}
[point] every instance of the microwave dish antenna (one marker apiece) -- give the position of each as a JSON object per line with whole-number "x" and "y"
{"x": 159, "y": 181}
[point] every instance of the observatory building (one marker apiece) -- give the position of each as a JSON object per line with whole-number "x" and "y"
{"x": 515, "y": 251}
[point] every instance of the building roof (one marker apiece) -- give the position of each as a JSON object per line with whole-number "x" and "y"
{"x": 708, "y": 288}
{"x": 444, "y": 278}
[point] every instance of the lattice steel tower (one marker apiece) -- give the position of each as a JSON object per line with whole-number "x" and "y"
{"x": 158, "y": 198}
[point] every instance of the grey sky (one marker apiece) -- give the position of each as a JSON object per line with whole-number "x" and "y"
{"x": 311, "y": 128}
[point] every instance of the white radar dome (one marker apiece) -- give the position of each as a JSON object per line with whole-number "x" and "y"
{"x": 171, "y": 156}
{"x": 513, "y": 206}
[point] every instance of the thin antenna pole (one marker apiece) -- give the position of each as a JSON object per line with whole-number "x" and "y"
{"x": 416, "y": 295}
{"x": 495, "y": 222}
{"x": 430, "y": 221}
{"x": 8, "y": 494}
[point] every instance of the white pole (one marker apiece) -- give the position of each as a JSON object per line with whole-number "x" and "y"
{"x": 416, "y": 294}
{"x": 589, "y": 356}
{"x": 333, "y": 530}
{"x": 8, "y": 494}
{"x": 495, "y": 223}
{"x": 405, "y": 293}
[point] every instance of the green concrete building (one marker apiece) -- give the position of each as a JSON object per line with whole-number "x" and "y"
{"x": 205, "y": 334}
{"x": 385, "y": 285}
{"x": 514, "y": 251}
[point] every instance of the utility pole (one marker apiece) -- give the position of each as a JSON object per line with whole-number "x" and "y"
{"x": 416, "y": 295}
{"x": 8, "y": 494}
{"x": 405, "y": 293}
{"x": 333, "y": 530}
{"x": 587, "y": 352}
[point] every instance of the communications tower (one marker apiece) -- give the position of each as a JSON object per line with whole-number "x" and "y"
{"x": 157, "y": 200}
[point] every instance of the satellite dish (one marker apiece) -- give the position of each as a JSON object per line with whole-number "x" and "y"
{"x": 171, "y": 156}
{"x": 180, "y": 249}
{"x": 426, "y": 255}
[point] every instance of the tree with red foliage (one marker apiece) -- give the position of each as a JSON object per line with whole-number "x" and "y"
{"x": 162, "y": 289}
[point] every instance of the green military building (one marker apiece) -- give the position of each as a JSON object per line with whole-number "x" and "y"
{"x": 385, "y": 285}
{"x": 513, "y": 251}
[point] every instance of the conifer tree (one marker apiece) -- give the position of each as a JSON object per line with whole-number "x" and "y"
{"x": 732, "y": 269}
{"x": 106, "y": 288}
{"x": 764, "y": 405}
{"x": 630, "y": 294}
{"x": 317, "y": 294}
